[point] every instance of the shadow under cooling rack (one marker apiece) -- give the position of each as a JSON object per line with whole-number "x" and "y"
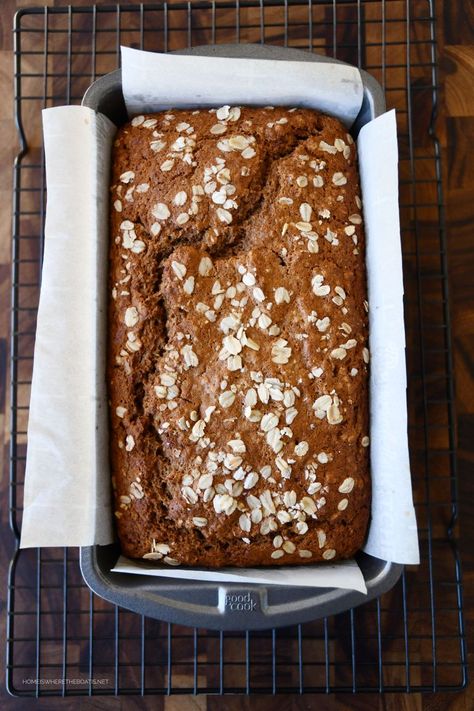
{"x": 61, "y": 639}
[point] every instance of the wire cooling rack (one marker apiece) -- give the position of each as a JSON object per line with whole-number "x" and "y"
{"x": 61, "y": 639}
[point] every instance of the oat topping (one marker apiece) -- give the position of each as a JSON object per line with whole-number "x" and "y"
{"x": 160, "y": 211}
{"x": 129, "y": 443}
{"x": 131, "y": 317}
{"x": 127, "y": 176}
{"x": 339, "y": 179}
{"x": 179, "y": 269}
{"x": 240, "y": 348}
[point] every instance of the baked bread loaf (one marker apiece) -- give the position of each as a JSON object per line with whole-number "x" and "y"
{"x": 237, "y": 367}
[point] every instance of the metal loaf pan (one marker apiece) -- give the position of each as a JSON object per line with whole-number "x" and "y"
{"x": 227, "y": 606}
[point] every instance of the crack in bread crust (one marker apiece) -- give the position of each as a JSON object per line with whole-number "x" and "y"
{"x": 238, "y": 358}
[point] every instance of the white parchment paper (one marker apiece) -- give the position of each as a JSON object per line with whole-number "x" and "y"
{"x": 76, "y": 462}
{"x": 67, "y": 492}
{"x": 393, "y": 531}
{"x": 153, "y": 82}
{"x": 345, "y": 574}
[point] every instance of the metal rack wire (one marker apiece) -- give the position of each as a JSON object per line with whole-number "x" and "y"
{"x": 61, "y": 639}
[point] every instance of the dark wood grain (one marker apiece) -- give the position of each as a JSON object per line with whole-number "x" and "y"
{"x": 455, "y": 127}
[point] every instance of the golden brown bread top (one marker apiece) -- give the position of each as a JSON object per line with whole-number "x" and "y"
{"x": 238, "y": 329}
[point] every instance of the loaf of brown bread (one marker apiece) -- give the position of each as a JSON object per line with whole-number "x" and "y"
{"x": 238, "y": 360}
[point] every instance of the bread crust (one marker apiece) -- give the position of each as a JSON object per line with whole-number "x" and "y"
{"x": 237, "y": 344}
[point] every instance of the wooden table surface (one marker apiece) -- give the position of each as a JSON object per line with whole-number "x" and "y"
{"x": 456, "y": 129}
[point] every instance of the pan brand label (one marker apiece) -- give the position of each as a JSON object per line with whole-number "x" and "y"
{"x": 241, "y": 602}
